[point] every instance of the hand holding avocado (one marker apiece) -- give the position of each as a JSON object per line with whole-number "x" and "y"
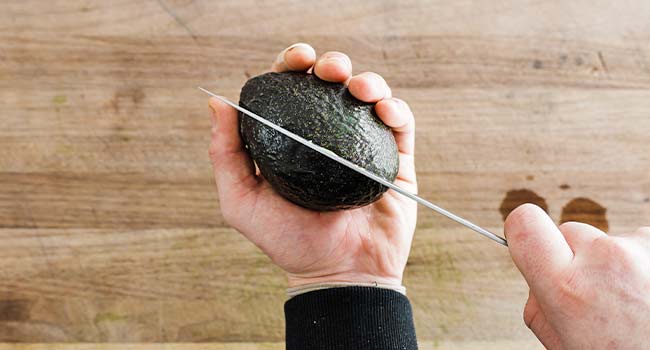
{"x": 362, "y": 245}
{"x": 587, "y": 289}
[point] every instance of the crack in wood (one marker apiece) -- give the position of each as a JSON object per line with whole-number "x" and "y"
{"x": 177, "y": 19}
{"x": 602, "y": 62}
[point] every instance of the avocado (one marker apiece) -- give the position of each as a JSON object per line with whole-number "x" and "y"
{"x": 328, "y": 115}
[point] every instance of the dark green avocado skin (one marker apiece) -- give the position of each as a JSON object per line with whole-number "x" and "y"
{"x": 328, "y": 115}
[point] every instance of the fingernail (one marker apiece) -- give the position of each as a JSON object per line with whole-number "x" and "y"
{"x": 337, "y": 59}
{"x": 280, "y": 59}
{"x": 399, "y": 104}
{"x": 297, "y": 45}
{"x": 213, "y": 116}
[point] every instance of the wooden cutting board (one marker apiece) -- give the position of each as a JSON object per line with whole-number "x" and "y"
{"x": 109, "y": 222}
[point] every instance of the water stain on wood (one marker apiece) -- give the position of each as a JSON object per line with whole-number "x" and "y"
{"x": 515, "y": 198}
{"x": 585, "y": 210}
{"x": 59, "y": 99}
{"x": 108, "y": 317}
{"x": 563, "y": 58}
{"x": 565, "y": 186}
{"x": 119, "y": 131}
{"x": 135, "y": 95}
{"x": 14, "y": 310}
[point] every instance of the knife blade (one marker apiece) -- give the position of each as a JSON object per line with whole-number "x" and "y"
{"x": 331, "y": 155}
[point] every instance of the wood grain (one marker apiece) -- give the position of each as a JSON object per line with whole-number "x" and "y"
{"x": 248, "y": 18}
{"x": 109, "y": 225}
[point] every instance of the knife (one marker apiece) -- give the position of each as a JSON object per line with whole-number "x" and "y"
{"x": 333, "y": 156}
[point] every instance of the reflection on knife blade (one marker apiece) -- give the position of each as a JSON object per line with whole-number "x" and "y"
{"x": 362, "y": 171}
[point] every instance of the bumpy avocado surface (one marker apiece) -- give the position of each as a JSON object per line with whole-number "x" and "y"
{"x": 328, "y": 115}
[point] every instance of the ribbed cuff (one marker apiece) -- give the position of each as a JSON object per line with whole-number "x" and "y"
{"x": 359, "y": 318}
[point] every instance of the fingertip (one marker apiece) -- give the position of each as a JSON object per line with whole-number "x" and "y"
{"x": 520, "y": 218}
{"x": 524, "y": 222}
{"x": 369, "y": 87}
{"x": 394, "y": 113}
{"x": 220, "y": 109}
{"x": 216, "y": 105}
{"x": 213, "y": 103}
{"x": 333, "y": 66}
{"x": 299, "y": 57}
{"x": 225, "y": 127}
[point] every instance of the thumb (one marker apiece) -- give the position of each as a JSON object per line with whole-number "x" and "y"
{"x": 537, "y": 247}
{"x": 234, "y": 171}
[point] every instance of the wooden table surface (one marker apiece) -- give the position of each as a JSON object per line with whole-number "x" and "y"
{"x": 109, "y": 224}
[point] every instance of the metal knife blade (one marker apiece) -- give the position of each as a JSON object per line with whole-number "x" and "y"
{"x": 329, "y": 154}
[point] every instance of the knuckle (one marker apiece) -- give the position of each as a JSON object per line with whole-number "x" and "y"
{"x": 213, "y": 151}
{"x": 529, "y": 310}
{"x": 608, "y": 246}
{"x": 530, "y": 315}
{"x": 214, "y": 133}
{"x": 569, "y": 282}
{"x": 572, "y": 292}
{"x": 619, "y": 257}
{"x": 407, "y": 160}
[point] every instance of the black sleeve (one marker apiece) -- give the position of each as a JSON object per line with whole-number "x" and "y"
{"x": 359, "y": 318}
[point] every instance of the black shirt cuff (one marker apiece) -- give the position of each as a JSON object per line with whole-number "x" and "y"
{"x": 359, "y": 318}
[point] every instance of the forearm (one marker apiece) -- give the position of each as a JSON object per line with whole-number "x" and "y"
{"x": 360, "y": 318}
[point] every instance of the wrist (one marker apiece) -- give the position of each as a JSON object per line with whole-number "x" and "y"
{"x": 307, "y": 288}
{"x": 298, "y": 280}
{"x": 305, "y": 284}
